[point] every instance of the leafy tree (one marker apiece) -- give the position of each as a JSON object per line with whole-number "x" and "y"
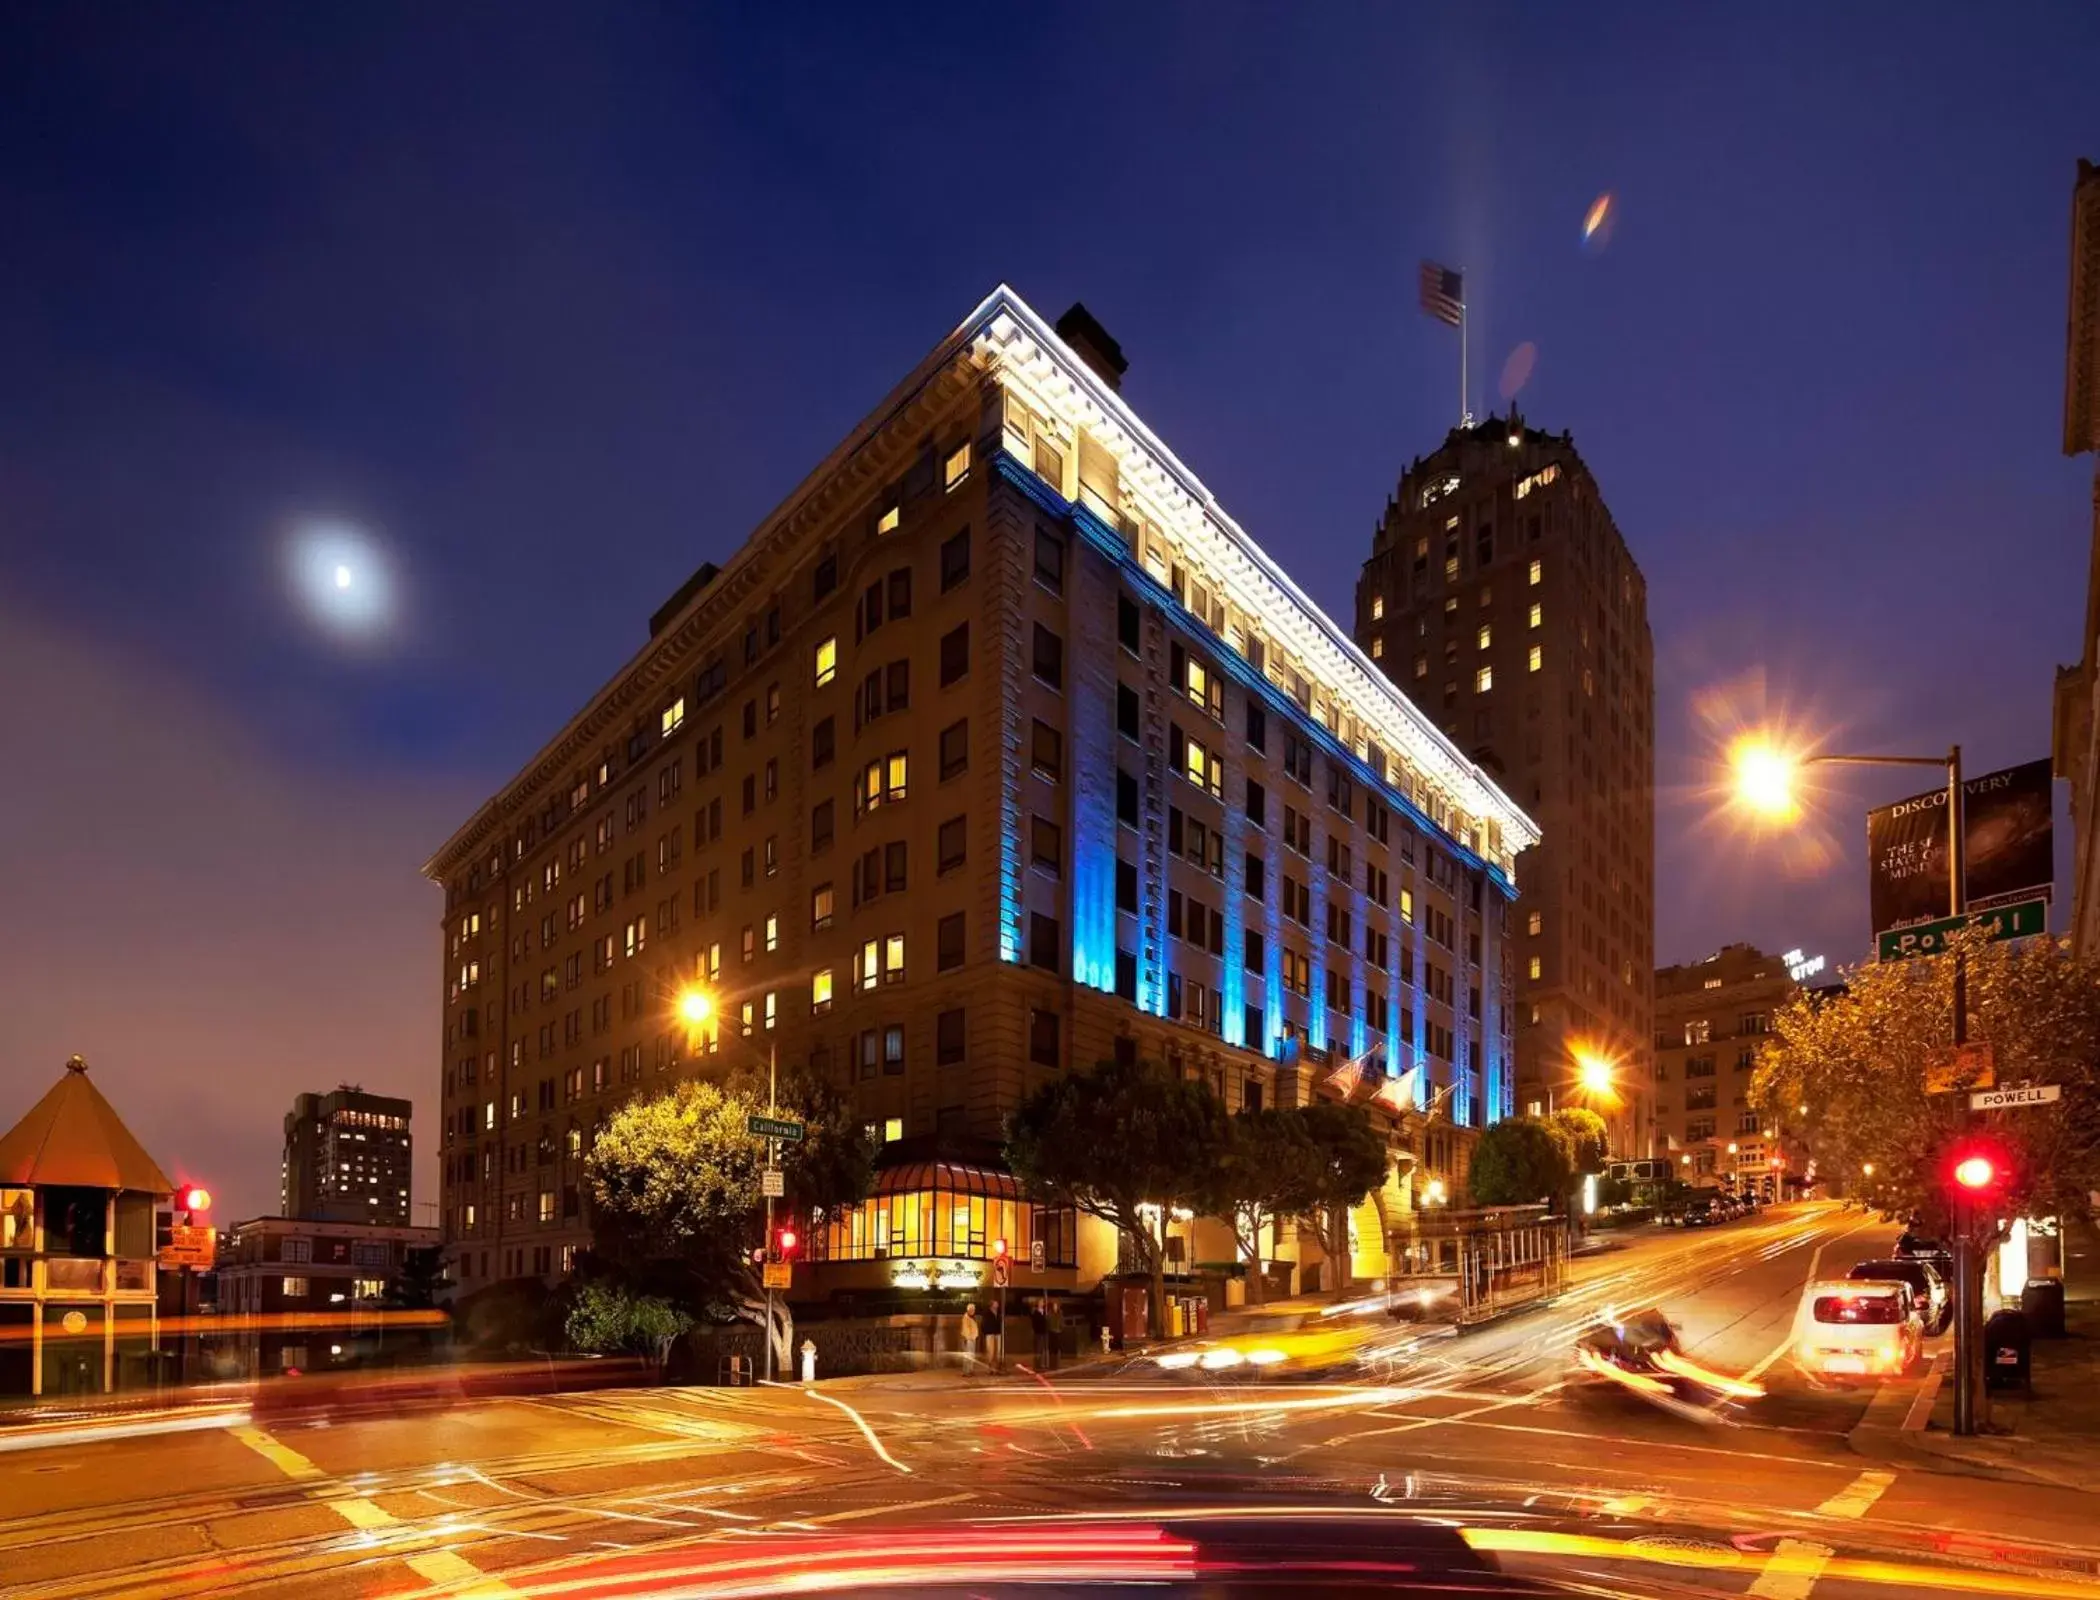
{"x": 1614, "y": 1192}
{"x": 414, "y": 1287}
{"x": 1844, "y": 1075}
{"x": 1518, "y": 1162}
{"x": 606, "y": 1317}
{"x": 676, "y": 1189}
{"x": 1269, "y": 1170}
{"x": 1125, "y": 1143}
{"x": 1584, "y": 1135}
{"x": 1350, "y": 1161}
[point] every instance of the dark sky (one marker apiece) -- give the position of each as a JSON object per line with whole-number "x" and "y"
{"x": 556, "y": 303}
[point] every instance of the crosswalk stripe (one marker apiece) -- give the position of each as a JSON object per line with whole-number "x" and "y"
{"x": 1858, "y": 1496}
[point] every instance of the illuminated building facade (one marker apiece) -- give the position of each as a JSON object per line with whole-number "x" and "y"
{"x": 347, "y": 1158}
{"x": 999, "y": 750}
{"x": 1712, "y": 1017}
{"x": 2075, "y": 729}
{"x": 1501, "y": 597}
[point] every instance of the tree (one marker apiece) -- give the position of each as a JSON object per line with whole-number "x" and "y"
{"x": 606, "y": 1317}
{"x": 1844, "y": 1075}
{"x": 1350, "y": 1162}
{"x": 414, "y": 1286}
{"x": 1585, "y": 1137}
{"x": 1126, "y": 1142}
{"x": 676, "y": 1188}
{"x": 1518, "y": 1162}
{"x": 1269, "y": 1170}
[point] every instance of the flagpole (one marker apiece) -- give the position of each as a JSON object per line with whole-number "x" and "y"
{"x": 1465, "y": 411}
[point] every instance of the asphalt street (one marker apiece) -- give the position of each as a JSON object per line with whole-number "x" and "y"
{"x": 642, "y": 1491}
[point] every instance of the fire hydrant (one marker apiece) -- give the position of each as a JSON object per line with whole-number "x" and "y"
{"x": 1106, "y": 1336}
{"x": 809, "y": 1361}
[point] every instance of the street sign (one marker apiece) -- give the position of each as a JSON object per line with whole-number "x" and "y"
{"x": 1962, "y": 1066}
{"x": 2015, "y": 921}
{"x": 190, "y": 1245}
{"x": 1001, "y": 1273}
{"x": 780, "y": 1275}
{"x": 772, "y": 1183}
{"x": 774, "y": 1128}
{"x": 1036, "y": 1255}
{"x": 2035, "y": 1094}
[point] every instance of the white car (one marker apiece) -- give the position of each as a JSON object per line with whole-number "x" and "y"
{"x": 1848, "y": 1329}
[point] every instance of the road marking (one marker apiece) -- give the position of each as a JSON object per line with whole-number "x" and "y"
{"x": 1791, "y": 1571}
{"x": 876, "y": 1511}
{"x": 1921, "y": 1406}
{"x": 462, "y": 1579}
{"x": 1857, "y": 1496}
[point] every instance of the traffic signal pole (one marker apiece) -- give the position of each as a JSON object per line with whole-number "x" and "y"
{"x": 1968, "y": 1278}
{"x": 772, "y": 1161}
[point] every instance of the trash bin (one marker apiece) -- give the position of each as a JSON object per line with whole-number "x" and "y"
{"x": 2042, "y": 1301}
{"x": 2007, "y": 1347}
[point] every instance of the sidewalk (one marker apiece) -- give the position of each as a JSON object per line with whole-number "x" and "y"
{"x": 2051, "y": 1435}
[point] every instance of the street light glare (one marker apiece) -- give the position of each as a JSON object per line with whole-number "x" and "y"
{"x": 1594, "y": 1074}
{"x": 694, "y": 1006}
{"x": 1764, "y": 778}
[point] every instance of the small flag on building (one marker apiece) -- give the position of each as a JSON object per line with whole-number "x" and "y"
{"x": 1400, "y": 1093}
{"x": 1443, "y": 293}
{"x": 1345, "y": 1078}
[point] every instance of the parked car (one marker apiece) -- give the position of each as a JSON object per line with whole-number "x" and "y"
{"x": 1928, "y": 1289}
{"x": 1700, "y": 1213}
{"x": 1915, "y": 1246}
{"x": 1867, "y": 1329}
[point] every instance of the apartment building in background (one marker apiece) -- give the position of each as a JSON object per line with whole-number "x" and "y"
{"x": 348, "y": 1157}
{"x": 2075, "y": 729}
{"x": 1712, "y": 1017}
{"x": 1501, "y": 598}
{"x": 998, "y": 750}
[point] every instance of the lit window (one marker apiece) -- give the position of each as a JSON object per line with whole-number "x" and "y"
{"x": 1486, "y": 636}
{"x": 295, "y": 1288}
{"x": 958, "y": 466}
{"x": 1538, "y": 570}
{"x": 827, "y": 661}
{"x": 1534, "y": 922}
{"x": 820, "y": 907}
{"x": 1537, "y": 657}
{"x": 772, "y": 1009}
{"x": 893, "y": 959}
{"x": 772, "y": 933}
{"x": 820, "y": 992}
{"x": 1378, "y": 648}
{"x": 1538, "y": 613}
{"x": 867, "y": 969}
{"x": 1534, "y": 967}
{"x": 1202, "y": 768}
{"x": 1421, "y": 667}
{"x": 546, "y": 1205}
{"x": 749, "y": 1011}
{"x": 888, "y": 521}
{"x": 1377, "y": 607}
{"x": 1483, "y": 680}
{"x": 1407, "y": 905}
{"x": 674, "y": 716}
{"x": 892, "y": 1130}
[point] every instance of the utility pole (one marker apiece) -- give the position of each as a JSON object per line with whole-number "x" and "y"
{"x": 1969, "y": 1397}
{"x": 772, "y": 1163}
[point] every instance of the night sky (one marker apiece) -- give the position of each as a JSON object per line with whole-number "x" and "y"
{"x": 554, "y": 304}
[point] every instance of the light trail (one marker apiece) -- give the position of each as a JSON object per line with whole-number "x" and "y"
{"x": 867, "y": 1432}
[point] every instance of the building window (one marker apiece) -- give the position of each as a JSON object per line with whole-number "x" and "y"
{"x": 951, "y": 847}
{"x": 955, "y": 560}
{"x": 827, "y": 661}
{"x": 295, "y": 1288}
{"x": 1049, "y": 657}
{"x": 1483, "y": 680}
{"x": 882, "y": 782}
{"x": 950, "y": 1036}
{"x": 1377, "y": 608}
{"x": 820, "y": 908}
{"x": 955, "y": 749}
{"x": 1533, "y": 968}
{"x": 1535, "y": 658}
{"x": 1700, "y": 1032}
{"x": 1126, "y": 886}
{"x": 1045, "y": 942}
{"x": 820, "y": 827}
{"x": 674, "y": 717}
{"x": 1538, "y": 570}
{"x": 948, "y": 943}
{"x": 1047, "y": 751}
{"x": 887, "y": 522}
{"x": 1049, "y": 561}
{"x": 1043, "y": 1047}
{"x": 1538, "y": 614}
{"x": 820, "y": 993}
{"x": 956, "y": 467}
{"x": 1200, "y": 766}
{"x": 1378, "y": 648}
{"x": 1046, "y": 845}
{"x": 1534, "y": 922}
{"x": 1126, "y": 798}
{"x": 1127, "y": 623}
{"x": 955, "y": 654}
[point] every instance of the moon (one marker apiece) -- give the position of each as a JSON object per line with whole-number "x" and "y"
{"x": 340, "y": 579}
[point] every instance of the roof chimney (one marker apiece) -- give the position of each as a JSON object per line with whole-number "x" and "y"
{"x": 1091, "y": 342}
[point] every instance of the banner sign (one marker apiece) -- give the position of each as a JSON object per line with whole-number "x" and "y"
{"x": 2008, "y": 841}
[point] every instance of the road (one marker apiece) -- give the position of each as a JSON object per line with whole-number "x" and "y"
{"x": 565, "y": 1493}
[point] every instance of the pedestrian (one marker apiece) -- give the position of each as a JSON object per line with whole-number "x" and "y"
{"x": 994, "y": 1337}
{"x": 1038, "y": 1323}
{"x": 970, "y": 1332}
{"x": 1053, "y": 1330}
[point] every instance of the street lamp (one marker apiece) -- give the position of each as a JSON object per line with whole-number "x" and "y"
{"x": 694, "y": 1006}
{"x": 1766, "y": 777}
{"x": 1866, "y": 1169}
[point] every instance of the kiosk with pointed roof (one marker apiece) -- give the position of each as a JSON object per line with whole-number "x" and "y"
{"x": 78, "y": 1197}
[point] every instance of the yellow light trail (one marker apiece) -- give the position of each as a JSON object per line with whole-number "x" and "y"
{"x": 867, "y": 1432}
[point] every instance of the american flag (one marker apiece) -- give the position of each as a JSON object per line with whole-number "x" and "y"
{"x": 1443, "y": 293}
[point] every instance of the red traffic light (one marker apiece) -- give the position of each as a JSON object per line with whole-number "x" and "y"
{"x": 998, "y": 1249}
{"x": 193, "y": 1197}
{"x": 1975, "y": 1172}
{"x": 787, "y": 1241}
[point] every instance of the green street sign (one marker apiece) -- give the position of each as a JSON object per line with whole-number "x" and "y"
{"x": 774, "y": 1128}
{"x": 2015, "y": 921}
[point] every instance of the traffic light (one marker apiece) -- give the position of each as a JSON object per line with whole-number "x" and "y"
{"x": 785, "y": 1241}
{"x": 1976, "y": 1173}
{"x": 193, "y": 1198}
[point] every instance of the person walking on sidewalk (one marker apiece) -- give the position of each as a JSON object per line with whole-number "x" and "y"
{"x": 970, "y": 1332}
{"x": 1048, "y": 1329}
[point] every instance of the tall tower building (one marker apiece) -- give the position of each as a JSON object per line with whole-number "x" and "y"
{"x": 997, "y": 751}
{"x": 1501, "y": 598}
{"x": 347, "y": 1158}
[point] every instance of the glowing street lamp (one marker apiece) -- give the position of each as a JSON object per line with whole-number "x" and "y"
{"x": 1595, "y": 1075}
{"x": 694, "y": 1006}
{"x": 1866, "y": 1169}
{"x": 1765, "y": 778}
